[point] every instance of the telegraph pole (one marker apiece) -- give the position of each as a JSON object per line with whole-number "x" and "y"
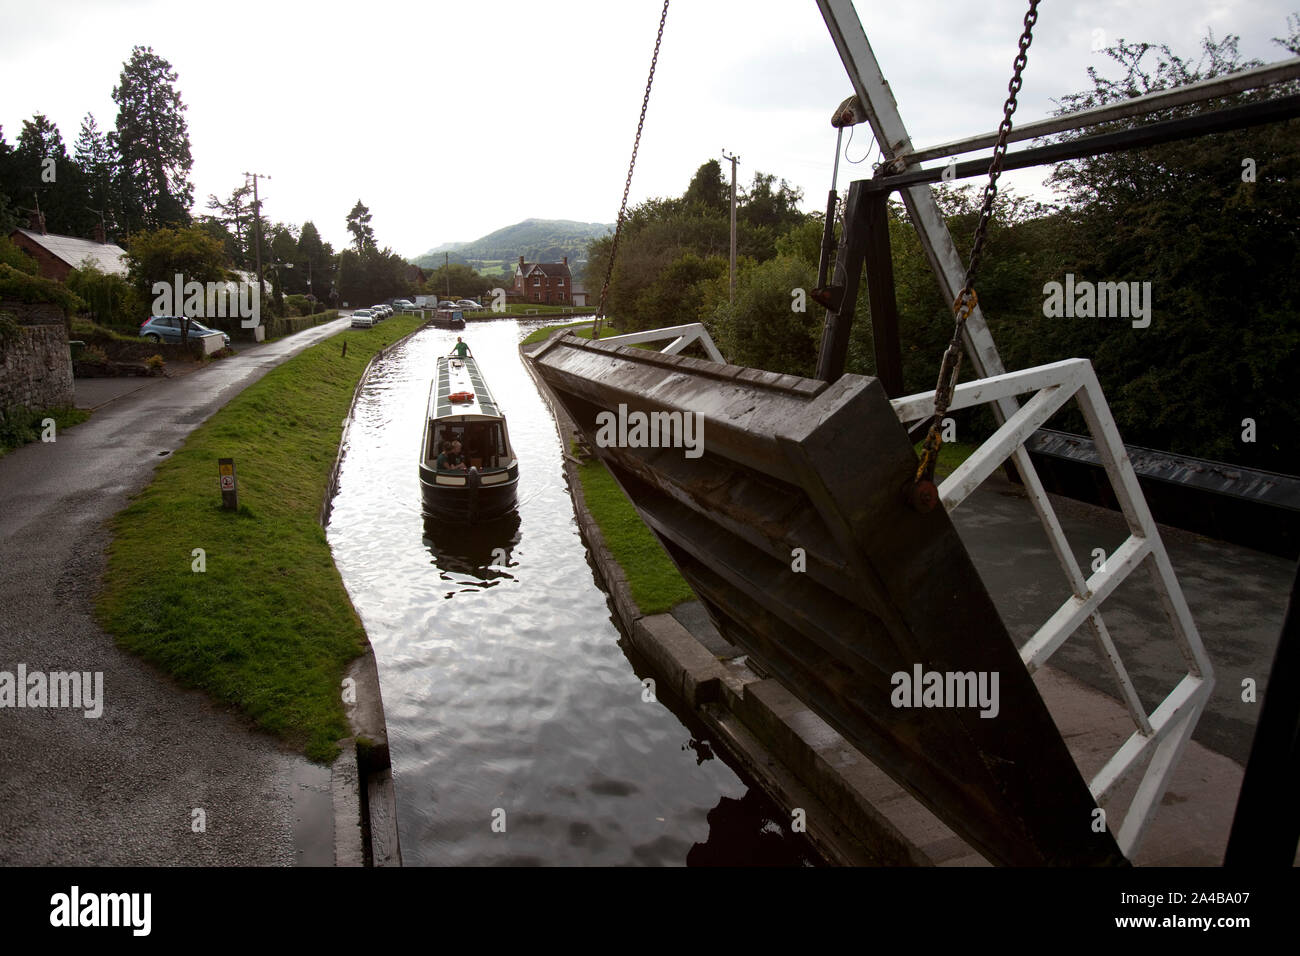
{"x": 734, "y": 160}
{"x": 257, "y": 227}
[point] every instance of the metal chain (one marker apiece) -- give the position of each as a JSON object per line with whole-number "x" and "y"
{"x": 964, "y": 304}
{"x": 627, "y": 186}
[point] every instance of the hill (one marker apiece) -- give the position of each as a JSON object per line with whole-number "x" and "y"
{"x": 537, "y": 240}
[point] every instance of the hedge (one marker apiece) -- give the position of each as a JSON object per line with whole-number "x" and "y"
{"x": 275, "y": 328}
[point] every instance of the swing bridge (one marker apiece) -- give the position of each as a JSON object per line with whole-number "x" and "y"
{"x": 824, "y": 469}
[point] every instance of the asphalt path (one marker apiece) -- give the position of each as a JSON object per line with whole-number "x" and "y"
{"x": 163, "y": 776}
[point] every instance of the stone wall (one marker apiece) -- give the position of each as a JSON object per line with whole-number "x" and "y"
{"x": 36, "y": 367}
{"x": 33, "y": 313}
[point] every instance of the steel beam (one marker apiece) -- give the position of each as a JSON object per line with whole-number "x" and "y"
{"x": 884, "y": 305}
{"x": 1148, "y": 103}
{"x": 1149, "y": 134}
{"x": 844, "y": 285}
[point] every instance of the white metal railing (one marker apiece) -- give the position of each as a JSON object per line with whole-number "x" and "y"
{"x": 681, "y": 335}
{"x": 1164, "y": 733}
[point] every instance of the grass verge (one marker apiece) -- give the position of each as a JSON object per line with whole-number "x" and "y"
{"x": 655, "y": 582}
{"x": 267, "y": 626}
{"x": 541, "y": 335}
{"x": 583, "y": 330}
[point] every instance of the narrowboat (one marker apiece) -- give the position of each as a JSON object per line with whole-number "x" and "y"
{"x": 461, "y": 408}
{"x": 448, "y": 319}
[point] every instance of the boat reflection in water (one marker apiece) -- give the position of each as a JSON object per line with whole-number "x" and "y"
{"x": 476, "y": 555}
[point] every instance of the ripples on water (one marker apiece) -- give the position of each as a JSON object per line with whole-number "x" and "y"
{"x": 505, "y": 686}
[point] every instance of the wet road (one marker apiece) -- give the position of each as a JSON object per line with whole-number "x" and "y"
{"x": 518, "y": 730}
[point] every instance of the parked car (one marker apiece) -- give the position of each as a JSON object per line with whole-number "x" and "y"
{"x": 448, "y": 304}
{"x": 469, "y": 304}
{"x": 363, "y": 319}
{"x": 168, "y": 328}
{"x": 400, "y": 304}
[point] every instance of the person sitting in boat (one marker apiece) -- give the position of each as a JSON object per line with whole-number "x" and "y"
{"x": 450, "y": 459}
{"x": 460, "y": 349}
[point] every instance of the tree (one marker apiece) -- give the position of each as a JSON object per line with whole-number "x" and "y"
{"x": 1218, "y": 245}
{"x": 161, "y": 254}
{"x": 458, "y": 280}
{"x": 95, "y": 161}
{"x": 372, "y": 276}
{"x": 41, "y": 138}
{"x": 236, "y": 218}
{"x": 314, "y": 261}
{"x": 153, "y": 145}
{"x": 766, "y": 213}
{"x": 359, "y": 226}
{"x": 709, "y": 189}
{"x": 763, "y": 329}
{"x": 44, "y": 175}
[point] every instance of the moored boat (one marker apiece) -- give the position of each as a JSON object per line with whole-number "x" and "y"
{"x": 448, "y": 319}
{"x": 461, "y": 408}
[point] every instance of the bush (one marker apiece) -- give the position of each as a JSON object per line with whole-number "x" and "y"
{"x": 35, "y": 290}
{"x": 11, "y": 255}
{"x": 155, "y": 362}
{"x": 111, "y": 300}
{"x": 20, "y": 425}
{"x": 88, "y": 331}
{"x": 93, "y": 355}
{"x": 762, "y": 329}
{"x": 17, "y": 427}
{"x": 288, "y": 326}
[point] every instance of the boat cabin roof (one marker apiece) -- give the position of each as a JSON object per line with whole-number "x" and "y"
{"x": 455, "y": 375}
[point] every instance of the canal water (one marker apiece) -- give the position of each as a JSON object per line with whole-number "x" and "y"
{"x": 516, "y": 720}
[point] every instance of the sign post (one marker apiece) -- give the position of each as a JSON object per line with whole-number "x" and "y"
{"x": 229, "y": 495}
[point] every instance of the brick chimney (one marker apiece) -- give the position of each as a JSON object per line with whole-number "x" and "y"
{"x": 36, "y": 222}
{"x": 566, "y": 260}
{"x": 521, "y": 263}
{"x": 98, "y": 234}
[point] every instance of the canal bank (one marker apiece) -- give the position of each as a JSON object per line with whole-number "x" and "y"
{"x": 246, "y": 606}
{"x": 862, "y": 815}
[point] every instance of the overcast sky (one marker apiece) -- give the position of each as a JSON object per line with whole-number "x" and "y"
{"x": 452, "y": 119}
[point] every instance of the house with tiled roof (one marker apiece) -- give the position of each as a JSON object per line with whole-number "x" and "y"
{"x": 58, "y": 255}
{"x": 549, "y": 283}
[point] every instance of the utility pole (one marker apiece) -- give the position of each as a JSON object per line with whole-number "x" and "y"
{"x": 257, "y": 228}
{"x": 734, "y": 160}
{"x": 446, "y": 271}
